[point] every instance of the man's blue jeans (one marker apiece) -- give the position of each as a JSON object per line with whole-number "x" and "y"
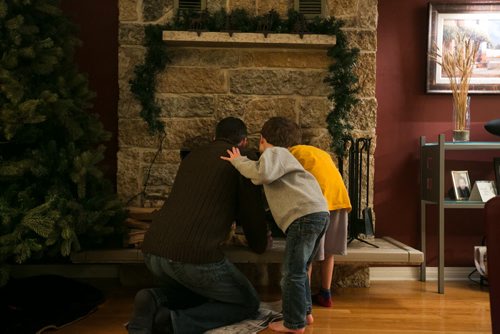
{"x": 302, "y": 240}
{"x": 230, "y": 296}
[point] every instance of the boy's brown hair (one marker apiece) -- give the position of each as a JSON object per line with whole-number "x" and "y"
{"x": 281, "y": 131}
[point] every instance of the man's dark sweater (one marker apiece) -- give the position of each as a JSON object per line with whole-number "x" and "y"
{"x": 208, "y": 195}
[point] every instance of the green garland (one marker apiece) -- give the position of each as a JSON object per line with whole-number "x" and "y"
{"x": 144, "y": 83}
{"x": 341, "y": 77}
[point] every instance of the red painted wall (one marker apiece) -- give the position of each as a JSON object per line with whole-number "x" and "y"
{"x": 405, "y": 112}
{"x": 98, "y": 58}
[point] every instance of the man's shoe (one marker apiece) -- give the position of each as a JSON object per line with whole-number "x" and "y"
{"x": 149, "y": 316}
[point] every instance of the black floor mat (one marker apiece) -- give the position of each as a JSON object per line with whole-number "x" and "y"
{"x": 28, "y": 305}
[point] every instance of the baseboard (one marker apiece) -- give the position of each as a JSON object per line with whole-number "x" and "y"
{"x": 112, "y": 271}
{"x": 413, "y": 273}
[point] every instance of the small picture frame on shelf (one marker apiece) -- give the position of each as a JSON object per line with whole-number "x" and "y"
{"x": 483, "y": 191}
{"x": 461, "y": 184}
{"x": 496, "y": 166}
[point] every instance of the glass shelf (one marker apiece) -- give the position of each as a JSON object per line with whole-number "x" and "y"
{"x": 471, "y": 145}
{"x": 452, "y": 204}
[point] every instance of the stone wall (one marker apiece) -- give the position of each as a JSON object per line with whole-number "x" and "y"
{"x": 203, "y": 85}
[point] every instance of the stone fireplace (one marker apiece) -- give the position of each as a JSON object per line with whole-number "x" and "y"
{"x": 205, "y": 83}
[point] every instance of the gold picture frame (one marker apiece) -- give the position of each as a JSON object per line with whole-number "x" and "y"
{"x": 480, "y": 22}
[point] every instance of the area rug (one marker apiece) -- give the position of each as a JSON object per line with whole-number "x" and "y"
{"x": 38, "y": 303}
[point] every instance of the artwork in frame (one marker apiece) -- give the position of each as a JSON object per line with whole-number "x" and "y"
{"x": 461, "y": 184}
{"x": 478, "y": 21}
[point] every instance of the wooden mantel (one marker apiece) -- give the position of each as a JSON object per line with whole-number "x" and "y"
{"x": 251, "y": 40}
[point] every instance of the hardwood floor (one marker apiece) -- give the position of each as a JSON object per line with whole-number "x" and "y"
{"x": 385, "y": 307}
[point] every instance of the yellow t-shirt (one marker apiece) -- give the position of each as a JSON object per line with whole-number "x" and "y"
{"x": 320, "y": 164}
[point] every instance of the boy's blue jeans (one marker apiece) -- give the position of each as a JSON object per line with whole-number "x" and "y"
{"x": 230, "y": 296}
{"x": 302, "y": 240}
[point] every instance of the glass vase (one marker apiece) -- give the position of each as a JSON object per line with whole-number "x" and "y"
{"x": 461, "y": 119}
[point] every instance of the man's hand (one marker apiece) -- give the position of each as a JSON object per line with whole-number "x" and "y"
{"x": 233, "y": 154}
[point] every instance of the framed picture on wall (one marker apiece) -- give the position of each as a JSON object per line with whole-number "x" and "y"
{"x": 461, "y": 184}
{"x": 480, "y": 22}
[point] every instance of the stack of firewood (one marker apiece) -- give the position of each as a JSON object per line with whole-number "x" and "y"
{"x": 138, "y": 222}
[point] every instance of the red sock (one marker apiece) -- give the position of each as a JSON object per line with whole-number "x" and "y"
{"x": 323, "y": 298}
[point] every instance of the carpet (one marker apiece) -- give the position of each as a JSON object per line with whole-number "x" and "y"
{"x": 35, "y": 304}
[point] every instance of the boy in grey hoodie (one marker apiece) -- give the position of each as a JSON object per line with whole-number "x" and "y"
{"x": 299, "y": 209}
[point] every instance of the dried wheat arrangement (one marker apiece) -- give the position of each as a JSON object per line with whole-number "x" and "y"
{"x": 458, "y": 64}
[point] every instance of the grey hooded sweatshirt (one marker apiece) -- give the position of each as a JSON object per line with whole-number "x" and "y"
{"x": 291, "y": 191}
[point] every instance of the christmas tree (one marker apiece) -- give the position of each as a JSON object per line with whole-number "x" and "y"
{"x": 53, "y": 196}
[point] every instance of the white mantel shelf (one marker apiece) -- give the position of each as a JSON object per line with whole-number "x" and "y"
{"x": 250, "y": 40}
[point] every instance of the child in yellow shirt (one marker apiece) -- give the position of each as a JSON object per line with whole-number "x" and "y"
{"x": 320, "y": 164}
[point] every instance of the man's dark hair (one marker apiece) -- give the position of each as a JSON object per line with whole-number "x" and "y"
{"x": 232, "y": 129}
{"x": 281, "y": 131}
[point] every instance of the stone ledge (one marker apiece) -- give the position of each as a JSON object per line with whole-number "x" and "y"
{"x": 252, "y": 40}
{"x": 390, "y": 252}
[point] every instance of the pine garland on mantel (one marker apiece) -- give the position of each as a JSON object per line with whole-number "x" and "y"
{"x": 341, "y": 77}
